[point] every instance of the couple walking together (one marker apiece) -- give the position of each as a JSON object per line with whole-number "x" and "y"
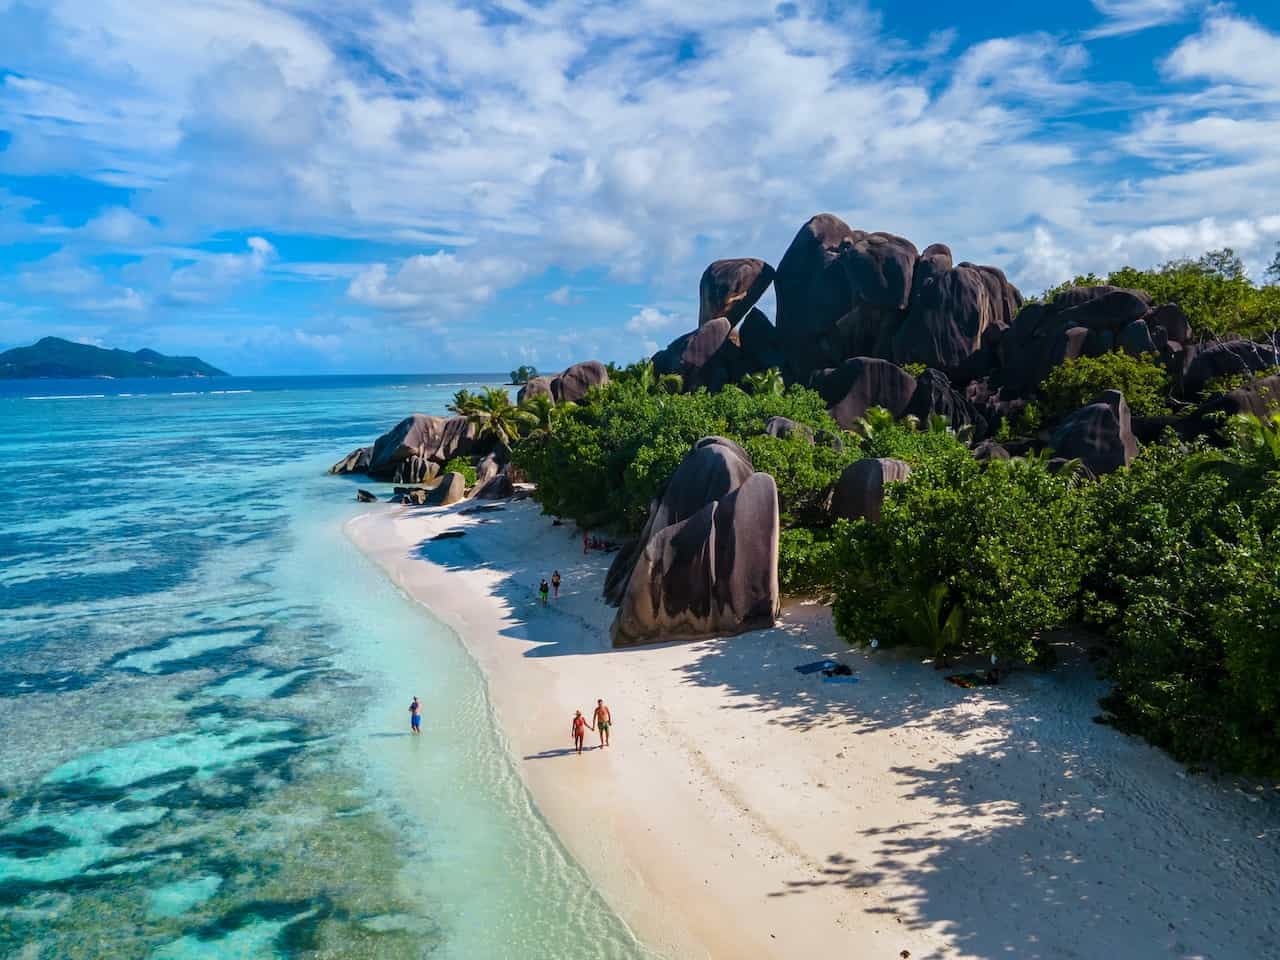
{"x": 601, "y": 720}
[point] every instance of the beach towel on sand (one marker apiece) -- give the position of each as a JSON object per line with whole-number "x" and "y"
{"x": 815, "y": 666}
{"x": 840, "y": 679}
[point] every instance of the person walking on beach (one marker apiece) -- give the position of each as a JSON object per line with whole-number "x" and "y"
{"x": 542, "y": 590}
{"x": 555, "y": 583}
{"x": 415, "y": 716}
{"x": 585, "y": 541}
{"x": 602, "y": 720}
{"x": 579, "y": 730}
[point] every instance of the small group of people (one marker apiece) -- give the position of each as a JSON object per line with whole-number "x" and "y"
{"x": 601, "y": 721}
{"x": 544, "y": 589}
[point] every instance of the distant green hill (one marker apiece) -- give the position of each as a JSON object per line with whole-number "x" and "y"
{"x": 58, "y": 358}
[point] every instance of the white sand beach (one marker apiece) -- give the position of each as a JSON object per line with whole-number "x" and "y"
{"x": 746, "y": 810}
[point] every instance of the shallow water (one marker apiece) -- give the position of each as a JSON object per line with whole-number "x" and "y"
{"x": 203, "y": 693}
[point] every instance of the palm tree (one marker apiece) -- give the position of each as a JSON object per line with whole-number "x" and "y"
{"x": 494, "y": 415}
{"x": 764, "y": 382}
{"x": 670, "y": 384}
{"x": 873, "y": 421}
{"x": 540, "y": 413}
{"x": 463, "y": 403}
{"x": 1253, "y": 453}
{"x": 930, "y": 617}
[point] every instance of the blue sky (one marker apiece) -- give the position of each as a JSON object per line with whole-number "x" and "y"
{"x": 437, "y": 186}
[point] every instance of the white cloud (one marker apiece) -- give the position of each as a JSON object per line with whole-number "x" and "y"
{"x": 1229, "y": 49}
{"x": 1131, "y": 16}
{"x": 651, "y": 320}
{"x": 438, "y": 284}
{"x": 562, "y": 296}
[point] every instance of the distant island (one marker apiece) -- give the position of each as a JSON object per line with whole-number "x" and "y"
{"x": 53, "y": 357}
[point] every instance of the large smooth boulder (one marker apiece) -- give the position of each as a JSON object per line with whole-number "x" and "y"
{"x": 707, "y": 357}
{"x": 712, "y": 573}
{"x": 956, "y": 314}
{"x": 934, "y": 394}
{"x": 497, "y": 487}
{"x": 451, "y": 488}
{"x": 1101, "y": 307}
{"x": 357, "y": 461}
{"x": 784, "y": 427}
{"x": 1135, "y": 338}
{"x": 534, "y": 387}
{"x": 859, "y": 492}
{"x": 729, "y": 288}
{"x": 1226, "y": 358}
{"x": 813, "y": 293}
{"x": 1259, "y": 397}
{"x": 572, "y": 385}
{"x": 420, "y": 435}
{"x": 762, "y": 347}
{"x": 860, "y": 383}
{"x": 415, "y": 469}
{"x": 1100, "y": 435}
{"x": 364, "y": 496}
{"x": 879, "y": 268}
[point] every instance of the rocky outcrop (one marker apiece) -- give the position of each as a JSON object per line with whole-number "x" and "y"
{"x": 707, "y": 357}
{"x": 424, "y": 437}
{"x": 487, "y": 467}
{"x": 785, "y": 427}
{"x": 364, "y": 496}
{"x": 762, "y": 347}
{"x": 957, "y": 317}
{"x": 729, "y": 288}
{"x": 1100, "y": 435}
{"x": 934, "y": 395}
{"x": 357, "y": 461}
{"x": 706, "y": 563}
{"x": 859, "y": 493}
{"x": 497, "y": 487}
{"x": 534, "y": 387}
{"x": 1225, "y": 358}
{"x": 1259, "y": 397}
{"x": 415, "y": 470}
{"x": 860, "y": 383}
{"x": 813, "y": 293}
{"x": 451, "y": 488}
{"x": 572, "y": 385}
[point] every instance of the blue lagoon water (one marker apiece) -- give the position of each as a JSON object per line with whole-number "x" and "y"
{"x": 203, "y": 693}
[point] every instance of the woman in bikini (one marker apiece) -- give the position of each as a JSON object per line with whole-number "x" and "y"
{"x": 555, "y": 584}
{"x": 579, "y": 729}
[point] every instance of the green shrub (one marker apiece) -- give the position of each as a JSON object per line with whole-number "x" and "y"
{"x": 1230, "y": 381}
{"x": 1185, "y": 580}
{"x": 806, "y": 561}
{"x": 463, "y": 466}
{"x": 613, "y": 453}
{"x": 803, "y": 471}
{"x": 1071, "y": 385}
{"x": 965, "y": 558}
{"x": 915, "y": 369}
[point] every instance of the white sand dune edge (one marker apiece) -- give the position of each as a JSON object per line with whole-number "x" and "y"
{"x": 746, "y": 810}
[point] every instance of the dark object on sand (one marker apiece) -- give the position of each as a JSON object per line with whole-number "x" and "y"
{"x": 488, "y": 508}
{"x": 450, "y": 535}
{"x": 815, "y": 666}
{"x": 979, "y": 678}
{"x": 839, "y": 670}
{"x": 364, "y": 496}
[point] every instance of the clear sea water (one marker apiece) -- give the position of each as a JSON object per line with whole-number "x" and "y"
{"x": 204, "y": 689}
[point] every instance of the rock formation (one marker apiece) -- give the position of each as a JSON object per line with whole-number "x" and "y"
{"x": 357, "y": 461}
{"x": 422, "y": 436}
{"x": 1100, "y": 435}
{"x": 860, "y": 383}
{"x": 706, "y": 563}
{"x": 859, "y": 493}
{"x": 729, "y": 288}
{"x": 569, "y": 386}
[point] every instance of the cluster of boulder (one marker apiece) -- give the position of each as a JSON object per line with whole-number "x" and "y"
{"x": 706, "y": 562}
{"x": 567, "y": 387}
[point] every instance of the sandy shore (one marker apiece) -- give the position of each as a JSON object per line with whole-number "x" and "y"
{"x": 746, "y": 810}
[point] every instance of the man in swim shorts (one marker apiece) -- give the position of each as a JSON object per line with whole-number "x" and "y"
{"x": 415, "y": 716}
{"x": 579, "y": 729}
{"x": 603, "y": 720}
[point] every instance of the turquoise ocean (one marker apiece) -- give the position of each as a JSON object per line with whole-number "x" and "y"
{"x": 204, "y": 747}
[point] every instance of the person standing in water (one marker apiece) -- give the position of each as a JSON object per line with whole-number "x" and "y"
{"x": 579, "y": 730}
{"x": 415, "y": 716}
{"x": 603, "y": 720}
{"x": 555, "y": 583}
{"x": 542, "y": 590}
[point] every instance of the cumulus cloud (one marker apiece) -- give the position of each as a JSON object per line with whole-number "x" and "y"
{"x": 651, "y": 320}
{"x": 486, "y": 145}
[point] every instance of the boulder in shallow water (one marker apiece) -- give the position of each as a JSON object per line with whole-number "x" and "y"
{"x": 364, "y": 496}
{"x": 706, "y": 563}
{"x": 423, "y": 436}
{"x": 415, "y": 469}
{"x": 859, "y": 493}
{"x": 357, "y": 461}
